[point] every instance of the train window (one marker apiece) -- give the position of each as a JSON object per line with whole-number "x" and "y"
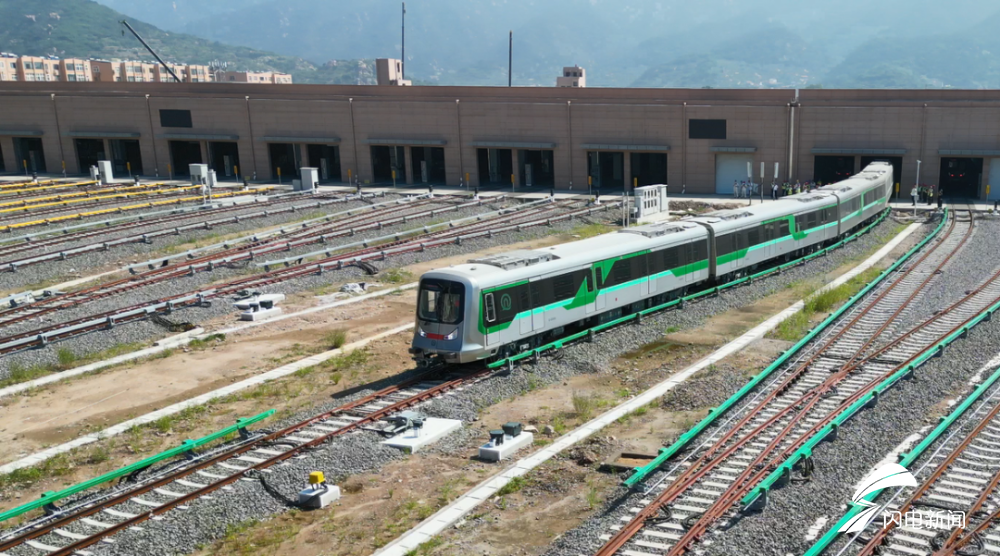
{"x": 639, "y": 267}
{"x": 753, "y": 237}
{"x": 541, "y": 293}
{"x": 621, "y": 271}
{"x": 740, "y": 239}
{"x": 672, "y": 258}
{"x": 565, "y": 286}
{"x": 491, "y": 312}
{"x": 654, "y": 262}
{"x": 724, "y": 245}
{"x": 701, "y": 250}
{"x": 441, "y": 301}
{"x": 782, "y": 228}
{"x": 590, "y": 280}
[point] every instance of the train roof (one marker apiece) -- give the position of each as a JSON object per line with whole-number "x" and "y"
{"x": 526, "y": 263}
{"x": 863, "y": 180}
{"x": 736, "y": 218}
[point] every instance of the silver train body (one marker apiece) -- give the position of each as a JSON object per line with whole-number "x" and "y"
{"x": 503, "y": 304}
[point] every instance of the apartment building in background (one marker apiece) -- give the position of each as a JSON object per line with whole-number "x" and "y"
{"x": 572, "y": 77}
{"x": 389, "y": 71}
{"x": 8, "y": 66}
{"x": 51, "y": 68}
{"x": 255, "y": 77}
{"x": 75, "y": 69}
{"x": 37, "y": 68}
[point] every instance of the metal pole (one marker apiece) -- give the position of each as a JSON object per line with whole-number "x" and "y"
{"x": 253, "y": 151}
{"x": 918, "y": 191}
{"x": 510, "y": 58}
{"x": 461, "y": 155}
{"x": 155, "y": 55}
{"x": 55, "y": 110}
{"x": 152, "y": 138}
{"x": 569, "y": 121}
{"x": 354, "y": 135}
{"x": 402, "y": 62}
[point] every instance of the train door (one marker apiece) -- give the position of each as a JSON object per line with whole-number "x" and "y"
{"x": 541, "y": 294}
{"x": 524, "y": 303}
{"x": 601, "y": 300}
{"x": 490, "y": 316}
{"x": 688, "y": 255}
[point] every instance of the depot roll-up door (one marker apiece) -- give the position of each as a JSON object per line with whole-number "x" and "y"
{"x": 994, "y": 179}
{"x": 730, "y": 167}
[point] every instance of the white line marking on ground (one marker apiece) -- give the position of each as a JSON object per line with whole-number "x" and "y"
{"x": 183, "y": 339}
{"x": 273, "y": 374}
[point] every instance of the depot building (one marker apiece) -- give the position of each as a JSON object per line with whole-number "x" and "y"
{"x": 579, "y": 139}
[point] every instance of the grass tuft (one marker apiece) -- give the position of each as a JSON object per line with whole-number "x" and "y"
{"x": 336, "y": 338}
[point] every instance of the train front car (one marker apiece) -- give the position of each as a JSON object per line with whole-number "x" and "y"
{"x": 445, "y": 309}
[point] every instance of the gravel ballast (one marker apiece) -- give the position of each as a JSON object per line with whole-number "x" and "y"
{"x": 142, "y": 331}
{"x": 182, "y": 531}
{"x": 792, "y": 510}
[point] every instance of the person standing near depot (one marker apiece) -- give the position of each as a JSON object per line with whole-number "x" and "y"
{"x": 913, "y": 195}
{"x": 736, "y": 189}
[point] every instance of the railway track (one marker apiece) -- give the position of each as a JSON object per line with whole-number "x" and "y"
{"x": 964, "y": 476}
{"x": 291, "y": 230}
{"x": 204, "y": 263}
{"x": 76, "y": 526}
{"x": 32, "y": 245}
{"x": 51, "y": 207}
{"x": 851, "y": 359}
{"x": 47, "y": 334}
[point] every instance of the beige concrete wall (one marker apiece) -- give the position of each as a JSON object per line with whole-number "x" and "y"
{"x": 89, "y": 115}
{"x": 31, "y": 113}
{"x": 312, "y": 118}
{"x": 921, "y": 122}
{"x": 209, "y": 116}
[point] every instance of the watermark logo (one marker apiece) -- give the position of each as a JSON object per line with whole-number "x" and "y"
{"x": 895, "y": 475}
{"x": 887, "y": 476}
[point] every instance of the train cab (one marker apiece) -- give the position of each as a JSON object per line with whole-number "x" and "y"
{"x": 442, "y": 303}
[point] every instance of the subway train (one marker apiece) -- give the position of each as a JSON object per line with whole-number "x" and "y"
{"x": 497, "y": 306}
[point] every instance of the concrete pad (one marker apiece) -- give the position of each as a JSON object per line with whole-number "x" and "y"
{"x": 434, "y": 429}
{"x": 510, "y": 445}
{"x": 262, "y": 314}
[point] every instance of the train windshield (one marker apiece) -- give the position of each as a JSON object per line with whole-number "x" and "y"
{"x": 441, "y": 301}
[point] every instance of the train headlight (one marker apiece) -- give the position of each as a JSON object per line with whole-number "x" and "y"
{"x": 422, "y": 333}
{"x": 453, "y": 335}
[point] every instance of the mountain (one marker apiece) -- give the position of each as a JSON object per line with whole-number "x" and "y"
{"x": 86, "y": 29}
{"x": 769, "y": 56}
{"x": 642, "y": 43}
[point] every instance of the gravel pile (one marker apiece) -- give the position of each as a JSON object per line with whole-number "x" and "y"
{"x": 182, "y": 531}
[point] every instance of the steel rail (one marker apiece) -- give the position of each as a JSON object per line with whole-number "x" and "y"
{"x": 23, "y": 312}
{"x": 710, "y": 461}
{"x": 63, "y": 520}
{"x": 91, "y": 201}
{"x": 755, "y": 474}
{"x": 45, "y": 335}
{"x": 24, "y": 200}
{"x": 43, "y": 185}
{"x": 123, "y": 208}
{"x": 279, "y": 198}
{"x": 29, "y": 245}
